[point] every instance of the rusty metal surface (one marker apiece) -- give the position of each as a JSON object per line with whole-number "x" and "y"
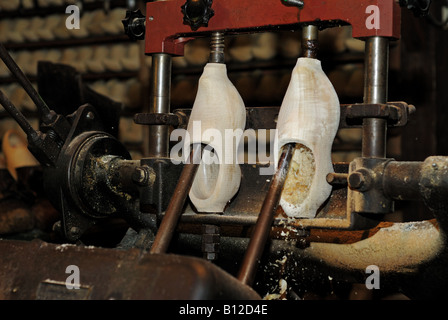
{"x": 37, "y": 270}
{"x": 411, "y": 257}
{"x": 245, "y": 207}
{"x": 397, "y": 115}
{"x": 256, "y": 117}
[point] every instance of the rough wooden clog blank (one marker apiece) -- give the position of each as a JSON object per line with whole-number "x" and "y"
{"x": 218, "y": 106}
{"x": 309, "y": 116}
{"x": 17, "y": 155}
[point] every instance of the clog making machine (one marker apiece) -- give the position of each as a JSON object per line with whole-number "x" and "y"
{"x": 250, "y": 249}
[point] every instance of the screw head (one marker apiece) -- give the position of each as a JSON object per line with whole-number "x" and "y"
{"x": 356, "y": 180}
{"x": 75, "y": 231}
{"x": 295, "y": 3}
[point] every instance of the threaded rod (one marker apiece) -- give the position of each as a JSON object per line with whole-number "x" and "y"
{"x": 217, "y": 47}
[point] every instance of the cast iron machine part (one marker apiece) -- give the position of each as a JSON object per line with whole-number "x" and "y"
{"x": 368, "y": 199}
{"x": 88, "y": 172}
{"x": 165, "y": 36}
{"x": 94, "y": 177}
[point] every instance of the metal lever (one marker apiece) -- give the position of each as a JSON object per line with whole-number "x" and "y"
{"x": 38, "y": 143}
{"x": 47, "y": 115}
{"x": 266, "y": 218}
{"x": 19, "y": 117}
{"x": 174, "y": 210}
{"x": 46, "y": 144}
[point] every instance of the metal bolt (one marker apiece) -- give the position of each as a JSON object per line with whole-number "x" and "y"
{"x": 334, "y": 178}
{"x": 210, "y": 241}
{"x": 361, "y": 179}
{"x": 217, "y": 47}
{"x": 75, "y": 231}
{"x": 57, "y": 226}
{"x": 356, "y": 180}
{"x": 90, "y": 115}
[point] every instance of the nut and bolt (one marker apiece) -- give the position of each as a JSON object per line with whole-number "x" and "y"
{"x": 90, "y": 115}
{"x": 75, "y": 232}
{"x": 210, "y": 241}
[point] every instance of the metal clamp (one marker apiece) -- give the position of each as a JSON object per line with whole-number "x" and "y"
{"x": 396, "y": 113}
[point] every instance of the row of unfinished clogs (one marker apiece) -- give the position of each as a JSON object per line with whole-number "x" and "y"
{"x": 53, "y": 27}
{"x": 256, "y": 87}
{"x": 269, "y": 45}
{"x": 129, "y": 57}
{"x": 12, "y": 5}
{"x": 268, "y": 87}
{"x": 128, "y": 92}
{"x": 104, "y": 58}
{"x": 86, "y": 59}
{"x": 18, "y": 97}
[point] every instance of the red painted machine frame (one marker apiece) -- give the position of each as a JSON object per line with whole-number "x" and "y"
{"x": 166, "y": 32}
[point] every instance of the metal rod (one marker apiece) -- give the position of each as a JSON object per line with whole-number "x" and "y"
{"x": 376, "y": 67}
{"x": 402, "y": 180}
{"x": 219, "y": 219}
{"x": 309, "y": 41}
{"x": 174, "y": 210}
{"x": 335, "y": 178}
{"x": 18, "y": 116}
{"x": 265, "y": 219}
{"x": 160, "y": 92}
{"x": 217, "y": 47}
{"x": 47, "y": 115}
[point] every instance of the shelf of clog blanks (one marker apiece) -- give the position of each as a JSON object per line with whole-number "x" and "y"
{"x": 35, "y": 31}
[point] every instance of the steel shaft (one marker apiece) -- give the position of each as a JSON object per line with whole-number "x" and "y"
{"x": 265, "y": 219}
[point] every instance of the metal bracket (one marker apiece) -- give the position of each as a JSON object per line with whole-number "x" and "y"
{"x": 396, "y": 113}
{"x": 167, "y": 33}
